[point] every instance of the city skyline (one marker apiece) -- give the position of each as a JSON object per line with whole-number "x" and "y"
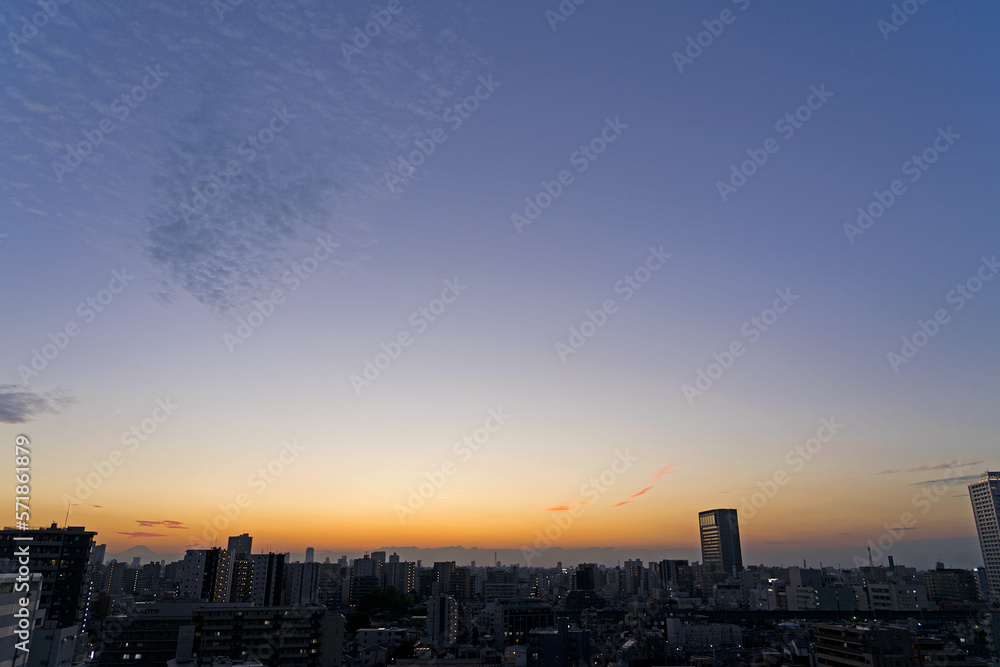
{"x": 356, "y": 277}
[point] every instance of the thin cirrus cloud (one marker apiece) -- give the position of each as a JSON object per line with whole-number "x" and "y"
{"x": 566, "y": 507}
{"x": 965, "y": 479}
{"x": 18, "y": 405}
{"x": 940, "y": 466}
{"x": 176, "y": 525}
{"x": 665, "y": 470}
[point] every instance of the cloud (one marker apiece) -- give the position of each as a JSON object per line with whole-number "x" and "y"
{"x": 665, "y": 470}
{"x": 566, "y": 507}
{"x": 138, "y": 534}
{"x": 965, "y": 479}
{"x": 260, "y": 206}
{"x": 624, "y": 502}
{"x": 323, "y": 173}
{"x": 177, "y": 525}
{"x": 940, "y": 466}
{"x": 19, "y": 405}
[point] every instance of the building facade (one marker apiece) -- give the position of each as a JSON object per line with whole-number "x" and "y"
{"x": 985, "y": 496}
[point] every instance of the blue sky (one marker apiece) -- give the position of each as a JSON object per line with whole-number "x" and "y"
{"x": 330, "y": 124}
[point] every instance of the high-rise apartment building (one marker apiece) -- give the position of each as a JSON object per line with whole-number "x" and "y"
{"x": 985, "y": 496}
{"x": 266, "y": 580}
{"x": 62, "y": 557}
{"x": 630, "y": 578}
{"x": 720, "y": 540}
{"x": 401, "y": 575}
{"x": 206, "y": 574}
{"x": 442, "y": 620}
{"x": 301, "y": 584}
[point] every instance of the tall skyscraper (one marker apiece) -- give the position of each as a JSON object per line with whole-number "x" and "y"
{"x": 985, "y": 496}
{"x": 310, "y": 554}
{"x": 720, "y": 540}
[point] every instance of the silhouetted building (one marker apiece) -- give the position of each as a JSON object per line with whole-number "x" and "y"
{"x": 950, "y": 585}
{"x": 206, "y": 574}
{"x": 514, "y": 619}
{"x": 720, "y": 540}
{"x": 676, "y": 575}
{"x": 864, "y": 646}
{"x": 985, "y": 496}
{"x": 240, "y": 546}
{"x": 301, "y": 584}
{"x": 562, "y": 646}
{"x": 586, "y": 577}
{"x": 400, "y": 575}
{"x": 266, "y": 579}
{"x": 442, "y": 620}
{"x": 62, "y": 557}
{"x": 273, "y": 635}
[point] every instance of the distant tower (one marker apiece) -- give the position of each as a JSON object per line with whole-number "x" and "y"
{"x": 985, "y": 495}
{"x": 720, "y": 540}
{"x": 310, "y": 554}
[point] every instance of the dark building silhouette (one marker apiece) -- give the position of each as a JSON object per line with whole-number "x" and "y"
{"x": 863, "y": 646}
{"x": 720, "y": 540}
{"x": 586, "y": 577}
{"x": 62, "y": 557}
{"x": 562, "y": 646}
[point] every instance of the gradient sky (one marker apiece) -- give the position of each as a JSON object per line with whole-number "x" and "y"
{"x": 344, "y": 115}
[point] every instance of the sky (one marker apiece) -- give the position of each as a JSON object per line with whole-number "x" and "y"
{"x": 535, "y": 277}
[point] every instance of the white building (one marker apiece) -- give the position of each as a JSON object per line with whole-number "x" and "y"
{"x": 985, "y": 496}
